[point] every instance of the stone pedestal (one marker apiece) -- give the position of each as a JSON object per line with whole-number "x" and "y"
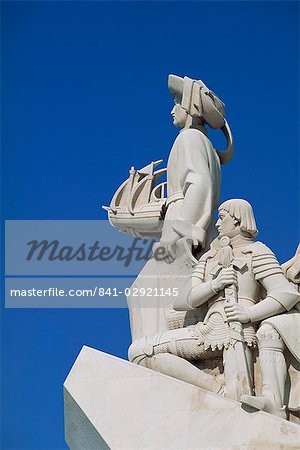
{"x": 113, "y": 404}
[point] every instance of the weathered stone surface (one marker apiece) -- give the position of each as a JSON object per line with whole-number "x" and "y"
{"x": 111, "y": 403}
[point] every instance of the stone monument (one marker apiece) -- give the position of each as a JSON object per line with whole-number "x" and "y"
{"x": 223, "y": 346}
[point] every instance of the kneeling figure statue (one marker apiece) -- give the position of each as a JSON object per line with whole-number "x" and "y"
{"x": 240, "y": 283}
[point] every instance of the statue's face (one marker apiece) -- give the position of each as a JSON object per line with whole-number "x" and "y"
{"x": 227, "y": 225}
{"x": 179, "y": 116}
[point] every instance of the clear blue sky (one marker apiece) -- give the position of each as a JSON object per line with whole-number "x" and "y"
{"x": 84, "y": 96}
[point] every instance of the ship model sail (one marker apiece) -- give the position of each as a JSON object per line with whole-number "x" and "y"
{"x": 138, "y": 204}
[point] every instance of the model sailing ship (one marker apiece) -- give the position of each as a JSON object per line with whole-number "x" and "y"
{"x": 141, "y": 198}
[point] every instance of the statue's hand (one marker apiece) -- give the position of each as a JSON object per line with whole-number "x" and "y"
{"x": 237, "y": 313}
{"x": 168, "y": 242}
{"x": 168, "y": 249}
{"x": 225, "y": 278}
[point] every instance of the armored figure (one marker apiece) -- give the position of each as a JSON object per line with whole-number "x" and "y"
{"x": 257, "y": 278}
{"x": 279, "y": 347}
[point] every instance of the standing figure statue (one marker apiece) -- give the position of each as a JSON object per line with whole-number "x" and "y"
{"x": 193, "y": 170}
{"x": 254, "y": 274}
{"x": 193, "y": 191}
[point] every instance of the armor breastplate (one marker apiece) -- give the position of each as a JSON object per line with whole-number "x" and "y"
{"x": 249, "y": 290}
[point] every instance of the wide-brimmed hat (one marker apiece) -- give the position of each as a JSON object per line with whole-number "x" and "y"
{"x": 199, "y": 101}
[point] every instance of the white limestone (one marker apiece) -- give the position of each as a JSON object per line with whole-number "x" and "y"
{"x": 230, "y": 326}
{"x": 225, "y": 291}
{"x": 111, "y": 403}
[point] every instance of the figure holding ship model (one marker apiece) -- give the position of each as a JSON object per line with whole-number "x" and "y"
{"x": 193, "y": 170}
{"x": 193, "y": 175}
{"x": 179, "y": 211}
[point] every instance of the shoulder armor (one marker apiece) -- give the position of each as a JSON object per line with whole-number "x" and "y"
{"x": 264, "y": 262}
{"x": 199, "y": 271}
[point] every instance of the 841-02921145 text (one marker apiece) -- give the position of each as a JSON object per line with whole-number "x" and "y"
{"x": 98, "y": 291}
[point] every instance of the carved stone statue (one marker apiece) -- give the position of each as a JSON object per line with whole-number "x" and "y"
{"x": 233, "y": 296}
{"x": 220, "y": 312}
{"x": 193, "y": 170}
{"x": 243, "y": 266}
{"x": 279, "y": 347}
{"x": 193, "y": 177}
